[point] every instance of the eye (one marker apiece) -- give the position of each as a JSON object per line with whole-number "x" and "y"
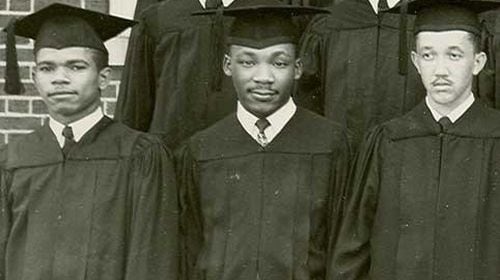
{"x": 78, "y": 67}
{"x": 281, "y": 64}
{"x": 427, "y": 56}
{"x": 455, "y": 56}
{"x": 44, "y": 68}
{"x": 246, "y": 63}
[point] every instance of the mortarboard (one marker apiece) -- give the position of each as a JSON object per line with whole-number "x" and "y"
{"x": 59, "y": 26}
{"x": 263, "y": 23}
{"x": 442, "y": 15}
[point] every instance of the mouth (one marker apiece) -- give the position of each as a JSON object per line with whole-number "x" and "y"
{"x": 61, "y": 93}
{"x": 263, "y": 92}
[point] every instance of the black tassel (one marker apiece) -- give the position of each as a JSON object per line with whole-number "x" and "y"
{"x": 218, "y": 47}
{"x": 403, "y": 39}
{"x": 487, "y": 45}
{"x": 13, "y": 83}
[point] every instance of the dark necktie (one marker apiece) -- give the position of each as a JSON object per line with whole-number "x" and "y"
{"x": 69, "y": 139}
{"x": 213, "y": 4}
{"x": 262, "y": 124}
{"x": 445, "y": 123}
{"x": 382, "y": 5}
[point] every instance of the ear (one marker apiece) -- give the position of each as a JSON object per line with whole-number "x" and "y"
{"x": 104, "y": 77}
{"x": 414, "y": 59}
{"x": 34, "y": 77}
{"x": 299, "y": 69}
{"x": 479, "y": 62}
{"x": 227, "y": 66}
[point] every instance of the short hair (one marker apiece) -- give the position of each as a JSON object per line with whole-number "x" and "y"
{"x": 101, "y": 59}
{"x": 475, "y": 39}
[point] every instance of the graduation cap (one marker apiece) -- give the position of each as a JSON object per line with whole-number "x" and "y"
{"x": 441, "y": 15}
{"x": 59, "y": 26}
{"x": 263, "y": 23}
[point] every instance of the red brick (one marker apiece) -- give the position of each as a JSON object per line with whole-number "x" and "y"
{"x": 19, "y": 40}
{"x": 20, "y": 122}
{"x": 43, "y": 3}
{"x": 29, "y": 89}
{"x": 18, "y": 106}
{"x": 109, "y": 92}
{"x": 110, "y": 108}
{"x": 22, "y": 54}
{"x": 20, "y": 5}
{"x": 24, "y": 71}
{"x": 116, "y": 72}
{"x": 38, "y": 107}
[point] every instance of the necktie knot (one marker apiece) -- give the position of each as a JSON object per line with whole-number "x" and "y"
{"x": 213, "y": 4}
{"x": 445, "y": 123}
{"x": 67, "y": 132}
{"x": 262, "y": 124}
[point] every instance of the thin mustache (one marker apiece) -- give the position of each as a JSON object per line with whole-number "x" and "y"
{"x": 441, "y": 81}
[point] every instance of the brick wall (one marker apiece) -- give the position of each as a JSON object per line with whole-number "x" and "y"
{"x": 22, "y": 114}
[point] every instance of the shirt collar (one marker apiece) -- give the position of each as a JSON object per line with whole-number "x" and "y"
{"x": 80, "y": 127}
{"x": 224, "y": 2}
{"x": 456, "y": 113}
{"x": 277, "y": 120}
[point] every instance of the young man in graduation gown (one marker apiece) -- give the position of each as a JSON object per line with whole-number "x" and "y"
{"x": 355, "y": 73}
{"x": 260, "y": 190}
{"x": 83, "y": 197}
{"x": 425, "y": 197}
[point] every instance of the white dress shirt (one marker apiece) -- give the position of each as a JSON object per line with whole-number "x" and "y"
{"x": 456, "y": 113}
{"x": 80, "y": 127}
{"x": 374, "y": 4}
{"x": 277, "y": 120}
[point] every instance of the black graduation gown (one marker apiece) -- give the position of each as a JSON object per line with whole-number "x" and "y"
{"x": 247, "y": 210}
{"x": 106, "y": 212}
{"x": 425, "y": 203}
{"x": 351, "y": 69}
{"x": 172, "y": 82}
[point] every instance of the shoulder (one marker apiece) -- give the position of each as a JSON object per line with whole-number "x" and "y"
{"x": 216, "y": 132}
{"x": 322, "y": 128}
{"x": 131, "y": 141}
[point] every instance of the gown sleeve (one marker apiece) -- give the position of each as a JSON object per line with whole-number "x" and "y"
{"x": 153, "y": 236}
{"x": 191, "y": 227}
{"x": 5, "y": 218}
{"x": 351, "y": 256}
{"x": 340, "y": 173}
{"x": 310, "y": 90}
{"x": 135, "y": 104}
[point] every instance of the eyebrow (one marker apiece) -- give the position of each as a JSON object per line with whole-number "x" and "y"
{"x": 72, "y": 61}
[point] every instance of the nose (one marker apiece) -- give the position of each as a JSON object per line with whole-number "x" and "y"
{"x": 263, "y": 74}
{"x": 441, "y": 67}
{"x": 60, "y": 76}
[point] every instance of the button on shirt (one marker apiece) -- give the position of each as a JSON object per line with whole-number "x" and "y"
{"x": 80, "y": 127}
{"x": 456, "y": 113}
{"x": 278, "y": 120}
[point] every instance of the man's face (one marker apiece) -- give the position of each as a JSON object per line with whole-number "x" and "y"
{"x": 69, "y": 82}
{"x": 447, "y": 62}
{"x": 263, "y": 78}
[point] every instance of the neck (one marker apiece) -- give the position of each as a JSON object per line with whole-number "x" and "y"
{"x": 445, "y": 109}
{"x": 67, "y": 119}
